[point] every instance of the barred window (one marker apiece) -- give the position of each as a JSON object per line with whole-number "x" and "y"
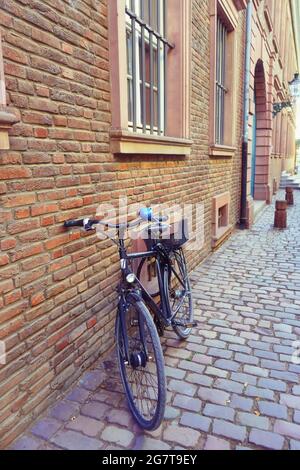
{"x": 221, "y": 89}
{"x": 147, "y": 51}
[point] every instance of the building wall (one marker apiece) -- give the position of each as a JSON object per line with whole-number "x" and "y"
{"x": 273, "y": 46}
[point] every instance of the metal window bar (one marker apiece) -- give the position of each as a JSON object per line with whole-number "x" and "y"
{"x": 221, "y": 89}
{"x": 160, "y": 40}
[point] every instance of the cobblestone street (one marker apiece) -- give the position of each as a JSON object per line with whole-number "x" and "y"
{"x": 233, "y": 384}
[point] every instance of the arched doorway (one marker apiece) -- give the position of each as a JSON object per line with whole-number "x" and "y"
{"x": 261, "y": 142}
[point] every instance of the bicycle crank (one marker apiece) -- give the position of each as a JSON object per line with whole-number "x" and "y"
{"x": 185, "y": 324}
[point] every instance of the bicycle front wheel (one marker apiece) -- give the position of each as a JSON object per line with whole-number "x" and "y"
{"x": 142, "y": 372}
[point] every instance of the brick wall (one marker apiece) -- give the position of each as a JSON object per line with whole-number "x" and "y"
{"x": 57, "y": 294}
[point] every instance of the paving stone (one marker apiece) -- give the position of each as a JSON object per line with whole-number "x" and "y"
{"x": 187, "y": 403}
{"x": 239, "y": 348}
{"x": 45, "y": 428}
{"x": 287, "y": 429}
{"x": 79, "y": 395}
{"x": 92, "y": 380}
{"x": 244, "y": 378}
{"x": 259, "y": 392}
{"x": 294, "y": 445}
{"x": 179, "y": 353}
{"x": 118, "y": 436}
{"x": 64, "y": 411}
{"x": 121, "y": 417}
{"x": 290, "y": 400}
{"x": 175, "y": 373}
{"x": 202, "y": 359}
{"x": 220, "y": 353}
{"x": 229, "y": 385}
{"x": 265, "y": 355}
{"x": 195, "y": 421}
{"x": 246, "y": 359}
{"x": 95, "y": 410}
{"x": 26, "y": 443}
{"x": 285, "y": 376}
{"x": 283, "y": 327}
{"x": 270, "y": 384}
{"x": 274, "y": 365}
{"x": 255, "y": 371}
{"x": 71, "y": 440}
{"x": 217, "y": 411}
{"x": 241, "y": 403}
{"x": 227, "y": 365}
{"x": 191, "y": 366}
{"x": 232, "y": 431}
{"x": 215, "y": 343}
{"x": 248, "y": 419}
{"x": 186, "y": 437}
{"x": 88, "y": 426}
{"x": 297, "y": 417}
{"x": 171, "y": 413}
{"x": 273, "y": 409}
{"x": 216, "y": 372}
{"x": 296, "y": 390}
{"x": 213, "y": 396}
{"x": 147, "y": 443}
{"x": 232, "y": 339}
{"x": 269, "y": 440}
{"x": 182, "y": 387}
{"x": 215, "y": 443}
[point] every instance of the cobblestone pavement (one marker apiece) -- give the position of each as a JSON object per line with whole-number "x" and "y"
{"x": 232, "y": 385}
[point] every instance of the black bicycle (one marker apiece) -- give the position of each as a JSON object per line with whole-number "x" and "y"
{"x": 139, "y": 351}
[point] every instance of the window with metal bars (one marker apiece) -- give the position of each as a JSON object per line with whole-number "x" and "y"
{"x": 221, "y": 89}
{"x": 147, "y": 50}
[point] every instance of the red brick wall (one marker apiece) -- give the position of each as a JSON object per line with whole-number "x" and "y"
{"x": 57, "y": 294}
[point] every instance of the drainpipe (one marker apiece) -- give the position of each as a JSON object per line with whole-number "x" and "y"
{"x": 243, "y": 217}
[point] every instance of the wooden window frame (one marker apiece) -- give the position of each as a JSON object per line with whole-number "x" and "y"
{"x": 227, "y": 11}
{"x": 176, "y": 140}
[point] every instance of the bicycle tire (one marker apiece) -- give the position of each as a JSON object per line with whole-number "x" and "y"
{"x": 137, "y": 404}
{"x": 186, "y": 312}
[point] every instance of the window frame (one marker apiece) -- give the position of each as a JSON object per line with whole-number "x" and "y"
{"x": 228, "y": 11}
{"x": 145, "y": 40}
{"x": 221, "y": 73}
{"x": 176, "y": 140}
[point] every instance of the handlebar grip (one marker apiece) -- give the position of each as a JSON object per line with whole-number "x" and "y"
{"x": 74, "y": 223}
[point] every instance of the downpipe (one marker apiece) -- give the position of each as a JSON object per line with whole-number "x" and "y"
{"x": 243, "y": 215}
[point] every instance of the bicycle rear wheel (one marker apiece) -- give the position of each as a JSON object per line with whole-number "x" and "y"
{"x": 143, "y": 374}
{"x": 178, "y": 293}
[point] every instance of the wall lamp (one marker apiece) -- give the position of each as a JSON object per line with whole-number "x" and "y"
{"x": 294, "y": 87}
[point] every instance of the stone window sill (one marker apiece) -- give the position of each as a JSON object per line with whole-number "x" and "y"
{"x": 221, "y": 151}
{"x": 127, "y": 143}
{"x": 7, "y": 120}
{"x": 221, "y": 235}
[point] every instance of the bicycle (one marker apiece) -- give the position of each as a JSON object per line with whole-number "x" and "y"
{"x": 139, "y": 352}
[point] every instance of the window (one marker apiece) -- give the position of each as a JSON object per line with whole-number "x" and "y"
{"x": 221, "y": 90}
{"x": 150, "y": 63}
{"x": 226, "y": 62}
{"x": 147, "y": 51}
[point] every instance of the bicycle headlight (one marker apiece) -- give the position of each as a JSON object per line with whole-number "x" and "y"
{"x": 130, "y": 278}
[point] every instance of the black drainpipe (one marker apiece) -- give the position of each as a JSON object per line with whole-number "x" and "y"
{"x": 243, "y": 215}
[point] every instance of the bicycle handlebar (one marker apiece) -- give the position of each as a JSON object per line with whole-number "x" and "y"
{"x": 88, "y": 224}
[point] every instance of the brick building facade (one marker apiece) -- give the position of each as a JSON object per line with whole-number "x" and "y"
{"x": 64, "y": 150}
